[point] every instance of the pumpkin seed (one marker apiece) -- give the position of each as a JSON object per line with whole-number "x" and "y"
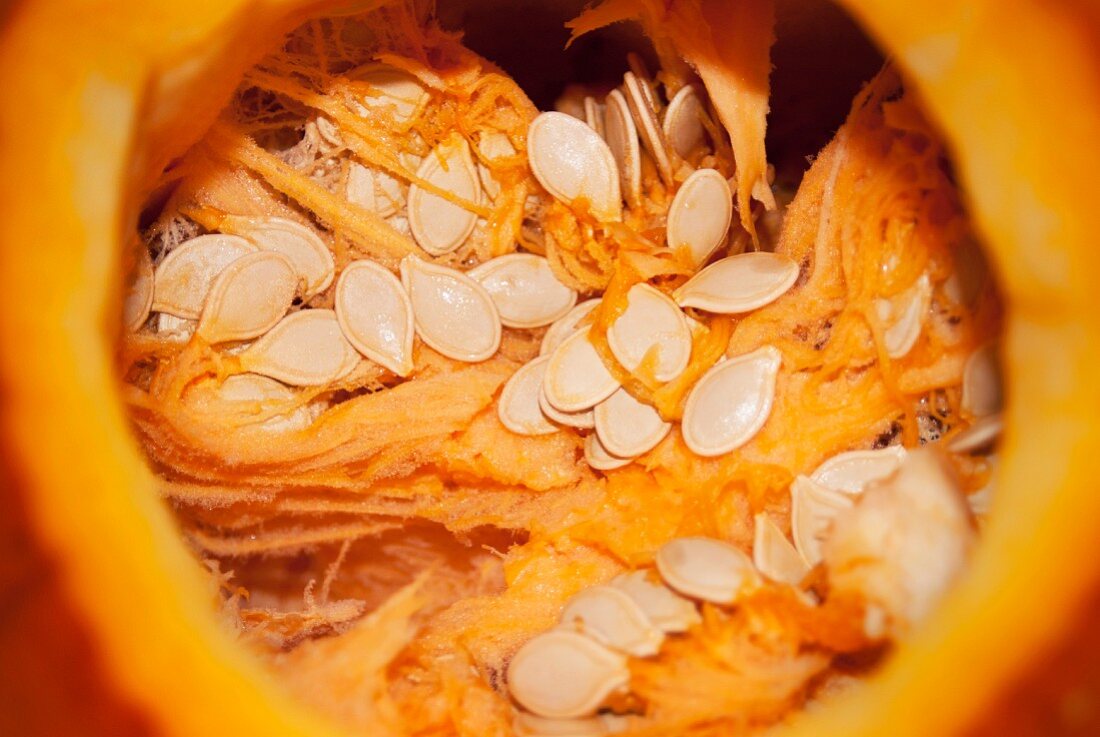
{"x": 700, "y": 215}
{"x": 731, "y": 402}
{"x": 981, "y": 434}
{"x": 740, "y": 283}
{"x": 248, "y": 297}
{"x": 453, "y": 313}
{"x": 376, "y": 315}
{"x": 564, "y": 675}
{"x": 981, "y": 501}
{"x": 493, "y": 145}
{"x": 306, "y": 348}
{"x": 609, "y": 616}
{"x": 524, "y": 290}
{"x": 903, "y": 317}
{"x": 183, "y": 279}
{"x": 593, "y": 116}
{"x": 438, "y": 225}
{"x": 139, "y": 298}
{"x": 566, "y": 326}
{"x": 653, "y": 323}
{"x": 664, "y": 608}
{"x": 813, "y": 509}
{"x": 773, "y": 553}
{"x": 643, "y": 108}
{"x": 308, "y": 254}
{"x": 175, "y": 329}
{"x": 622, "y": 140}
{"x": 981, "y": 385}
{"x": 373, "y": 190}
{"x": 852, "y": 471}
{"x": 597, "y": 456}
{"x": 518, "y": 408}
{"x": 683, "y": 122}
{"x": 583, "y": 420}
{"x": 627, "y": 427}
{"x": 391, "y": 89}
{"x": 259, "y": 389}
{"x": 706, "y": 569}
{"x": 530, "y": 725}
{"x": 574, "y": 164}
{"x": 576, "y": 377}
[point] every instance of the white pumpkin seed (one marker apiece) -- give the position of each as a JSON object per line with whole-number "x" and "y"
{"x": 740, "y": 283}
{"x": 493, "y": 145}
{"x": 139, "y": 297}
{"x": 373, "y": 190}
{"x": 376, "y": 315}
{"x": 306, "y": 348}
{"x": 438, "y": 225}
{"x": 981, "y": 385}
{"x": 903, "y": 317}
{"x": 622, "y": 139}
{"x": 626, "y": 427}
{"x": 175, "y": 329}
{"x": 518, "y": 408}
{"x": 609, "y": 616}
{"x": 565, "y": 675}
{"x": 583, "y": 420}
{"x": 731, "y": 402}
{"x": 981, "y": 501}
{"x": 576, "y": 377}
{"x": 391, "y": 89}
{"x": 852, "y": 471}
{"x": 683, "y": 123}
{"x": 453, "y": 313}
{"x": 524, "y": 289}
{"x": 706, "y": 569}
{"x": 651, "y": 322}
{"x": 566, "y": 326}
{"x": 644, "y": 110}
{"x": 700, "y": 215}
{"x": 813, "y": 509}
{"x": 259, "y": 389}
{"x": 597, "y": 456}
{"x": 773, "y": 553}
{"x": 593, "y": 116}
{"x": 664, "y": 608}
{"x": 981, "y": 435}
{"x": 309, "y": 255}
{"x": 248, "y": 297}
{"x": 183, "y": 279}
{"x": 573, "y": 163}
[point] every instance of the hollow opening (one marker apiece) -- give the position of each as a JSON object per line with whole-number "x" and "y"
{"x": 320, "y": 485}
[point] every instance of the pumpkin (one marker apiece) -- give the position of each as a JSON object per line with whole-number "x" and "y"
{"x": 107, "y": 627}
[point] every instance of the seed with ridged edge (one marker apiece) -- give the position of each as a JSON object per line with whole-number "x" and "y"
{"x": 439, "y": 225}
{"x": 665, "y": 608}
{"x": 706, "y": 569}
{"x": 390, "y": 88}
{"x": 565, "y": 675}
{"x": 598, "y": 457}
{"x": 524, "y": 289}
{"x": 651, "y": 322}
{"x": 583, "y": 420}
{"x": 982, "y": 434}
{"x": 644, "y": 110}
{"x": 309, "y": 255}
{"x": 981, "y": 385}
{"x": 518, "y": 408}
{"x": 813, "y": 509}
{"x": 627, "y": 427}
{"x": 731, "y": 402}
{"x": 453, "y": 313}
{"x": 139, "y": 297}
{"x": 183, "y": 279}
{"x": 740, "y": 283}
{"x": 700, "y": 215}
{"x": 622, "y": 139}
{"x": 376, "y": 315}
{"x": 774, "y": 555}
{"x": 563, "y": 327}
{"x": 609, "y": 616}
{"x": 576, "y": 378}
{"x": 850, "y": 472}
{"x": 903, "y": 317}
{"x": 573, "y": 163}
{"x": 248, "y": 297}
{"x": 683, "y": 123}
{"x": 306, "y": 348}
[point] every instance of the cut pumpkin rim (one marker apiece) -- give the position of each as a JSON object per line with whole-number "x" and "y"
{"x": 143, "y": 559}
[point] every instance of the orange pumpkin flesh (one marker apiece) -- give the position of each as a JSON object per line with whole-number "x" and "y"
{"x": 75, "y": 480}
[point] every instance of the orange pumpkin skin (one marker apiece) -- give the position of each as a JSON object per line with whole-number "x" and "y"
{"x": 104, "y": 624}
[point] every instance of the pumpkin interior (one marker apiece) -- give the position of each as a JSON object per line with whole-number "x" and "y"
{"x": 314, "y": 564}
